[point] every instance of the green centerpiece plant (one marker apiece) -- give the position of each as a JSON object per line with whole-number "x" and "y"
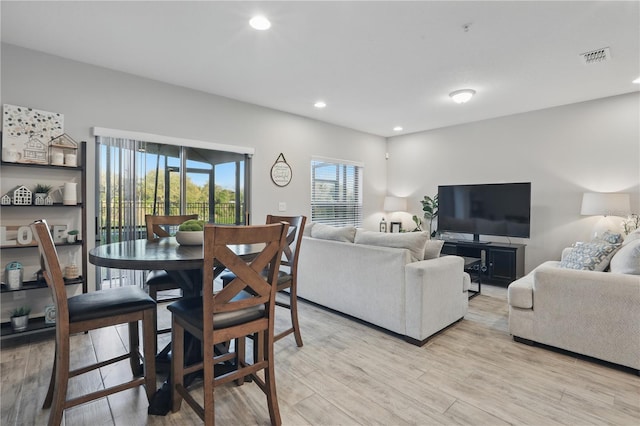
{"x": 192, "y": 225}
{"x": 191, "y": 232}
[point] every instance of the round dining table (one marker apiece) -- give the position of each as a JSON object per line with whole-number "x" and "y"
{"x": 183, "y": 263}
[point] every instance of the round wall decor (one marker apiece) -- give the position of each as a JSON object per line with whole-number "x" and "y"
{"x": 281, "y": 171}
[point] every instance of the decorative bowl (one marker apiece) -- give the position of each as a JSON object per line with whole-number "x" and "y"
{"x": 190, "y": 238}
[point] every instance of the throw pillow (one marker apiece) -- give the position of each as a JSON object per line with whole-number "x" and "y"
{"x": 432, "y": 249}
{"x": 325, "y": 232}
{"x": 627, "y": 259}
{"x": 610, "y": 237}
{"x": 413, "y": 241}
{"x": 592, "y": 256}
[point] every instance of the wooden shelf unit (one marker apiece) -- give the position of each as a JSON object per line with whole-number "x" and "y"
{"x": 33, "y": 212}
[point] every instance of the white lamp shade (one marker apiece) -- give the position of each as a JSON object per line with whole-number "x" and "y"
{"x": 605, "y": 204}
{"x": 395, "y": 204}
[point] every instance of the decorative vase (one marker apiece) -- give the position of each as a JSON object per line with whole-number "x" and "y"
{"x": 190, "y": 238}
{"x": 20, "y": 323}
{"x": 71, "y": 238}
{"x": 71, "y": 272}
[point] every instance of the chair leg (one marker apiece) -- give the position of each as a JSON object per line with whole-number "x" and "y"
{"x": 61, "y": 382}
{"x": 49, "y": 397}
{"x": 209, "y": 386}
{"x": 134, "y": 349}
{"x": 270, "y": 383}
{"x": 149, "y": 341}
{"x": 177, "y": 364}
{"x": 153, "y": 293}
{"x": 241, "y": 356}
{"x": 293, "y": 294}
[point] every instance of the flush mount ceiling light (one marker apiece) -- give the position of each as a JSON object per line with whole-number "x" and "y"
{"x": 260, "y": 23}
{"x": 462, "y": 96}
{"x": 636, "y": 81}
{"x": 398, "y": 129}
{"x": 320, "y": 104}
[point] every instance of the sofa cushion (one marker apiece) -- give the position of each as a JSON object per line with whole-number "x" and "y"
{"x": 627, "y": 259}
{"x": 307, "y": 229}
{"x": 413, "y": 241}
{"x": 433, "y": 249}
{"x": 592, "y": 256}
{"x": 325, "y": 232}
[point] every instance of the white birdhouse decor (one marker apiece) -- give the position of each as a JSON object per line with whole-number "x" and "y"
{"x": 22, "y": 196}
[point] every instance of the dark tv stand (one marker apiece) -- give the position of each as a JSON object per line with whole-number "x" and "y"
{"x": 503, "y": 263}
{"x": 476, "y": 240}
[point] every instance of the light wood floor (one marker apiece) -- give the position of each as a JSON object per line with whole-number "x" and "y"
{"x": 351, "y": 374}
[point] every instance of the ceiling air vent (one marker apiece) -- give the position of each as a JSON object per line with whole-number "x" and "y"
{"x": 599, "y": 55}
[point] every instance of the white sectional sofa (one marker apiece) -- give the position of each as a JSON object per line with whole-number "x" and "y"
{"x": 589, "y": 312}
{"x": 383, "y": 284}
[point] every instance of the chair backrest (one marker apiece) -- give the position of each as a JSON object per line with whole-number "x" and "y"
{"x": 52, "y": 271}
{"x": 294, "y": 238}
{"x": 155, "y": 224}
{"x": 218, "y": 255}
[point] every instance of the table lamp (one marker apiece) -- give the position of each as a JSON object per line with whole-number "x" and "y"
{"x": 395, "y": 204}
{"x": 605, "y": 205}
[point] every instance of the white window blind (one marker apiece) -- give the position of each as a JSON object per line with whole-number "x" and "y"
{"x": 336, "y": 192}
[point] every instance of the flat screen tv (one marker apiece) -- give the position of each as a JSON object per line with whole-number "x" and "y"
{"x": 502, "y": 209}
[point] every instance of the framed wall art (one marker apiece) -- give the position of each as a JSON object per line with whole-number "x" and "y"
{"x": 27, "y": 133}
{"x": 281, "y": 171}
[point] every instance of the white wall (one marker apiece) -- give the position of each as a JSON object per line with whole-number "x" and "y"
{"x": 91, "y": 96}
{"x": 562, "y": 151}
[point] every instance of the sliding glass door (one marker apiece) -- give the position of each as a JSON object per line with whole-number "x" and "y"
{"x": 136, "y": 178}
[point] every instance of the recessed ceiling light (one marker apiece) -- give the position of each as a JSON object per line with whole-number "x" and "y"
{"x": 320, "y": 104}
{"x": 398, "y": 129}
{"x": 637, "y": 80}
{"x": 462, "y": 96}
{"x": 260, "y": 23}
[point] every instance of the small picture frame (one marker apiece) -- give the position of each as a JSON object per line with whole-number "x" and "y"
{"x": 49, "y": 314}
{"x": 396, "y": 227}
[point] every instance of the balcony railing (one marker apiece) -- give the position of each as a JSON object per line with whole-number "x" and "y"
{"x": 223, "y": 214}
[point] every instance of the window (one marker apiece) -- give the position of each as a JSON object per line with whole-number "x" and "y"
{"x": 336, "y": 192}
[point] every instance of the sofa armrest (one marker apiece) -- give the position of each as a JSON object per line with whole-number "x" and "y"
{"x": 435, "y": 296}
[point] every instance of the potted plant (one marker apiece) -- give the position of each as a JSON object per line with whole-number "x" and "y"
{"x": 72, "y": 235}
{"x": 191, "y": 232}
{"x": 430, "y": 208}
{"x": 41, "y": 191}
{"x": 20, "y": 318}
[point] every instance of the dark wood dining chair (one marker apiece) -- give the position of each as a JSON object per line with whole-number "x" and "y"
{"x": 158, "y": 280}
{"x": 242, "y": 308}
{"x": 288, "y": 274}
{"x": 89, "y": 311}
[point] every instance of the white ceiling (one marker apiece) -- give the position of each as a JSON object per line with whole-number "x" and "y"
{"x": 376, "y": 64}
